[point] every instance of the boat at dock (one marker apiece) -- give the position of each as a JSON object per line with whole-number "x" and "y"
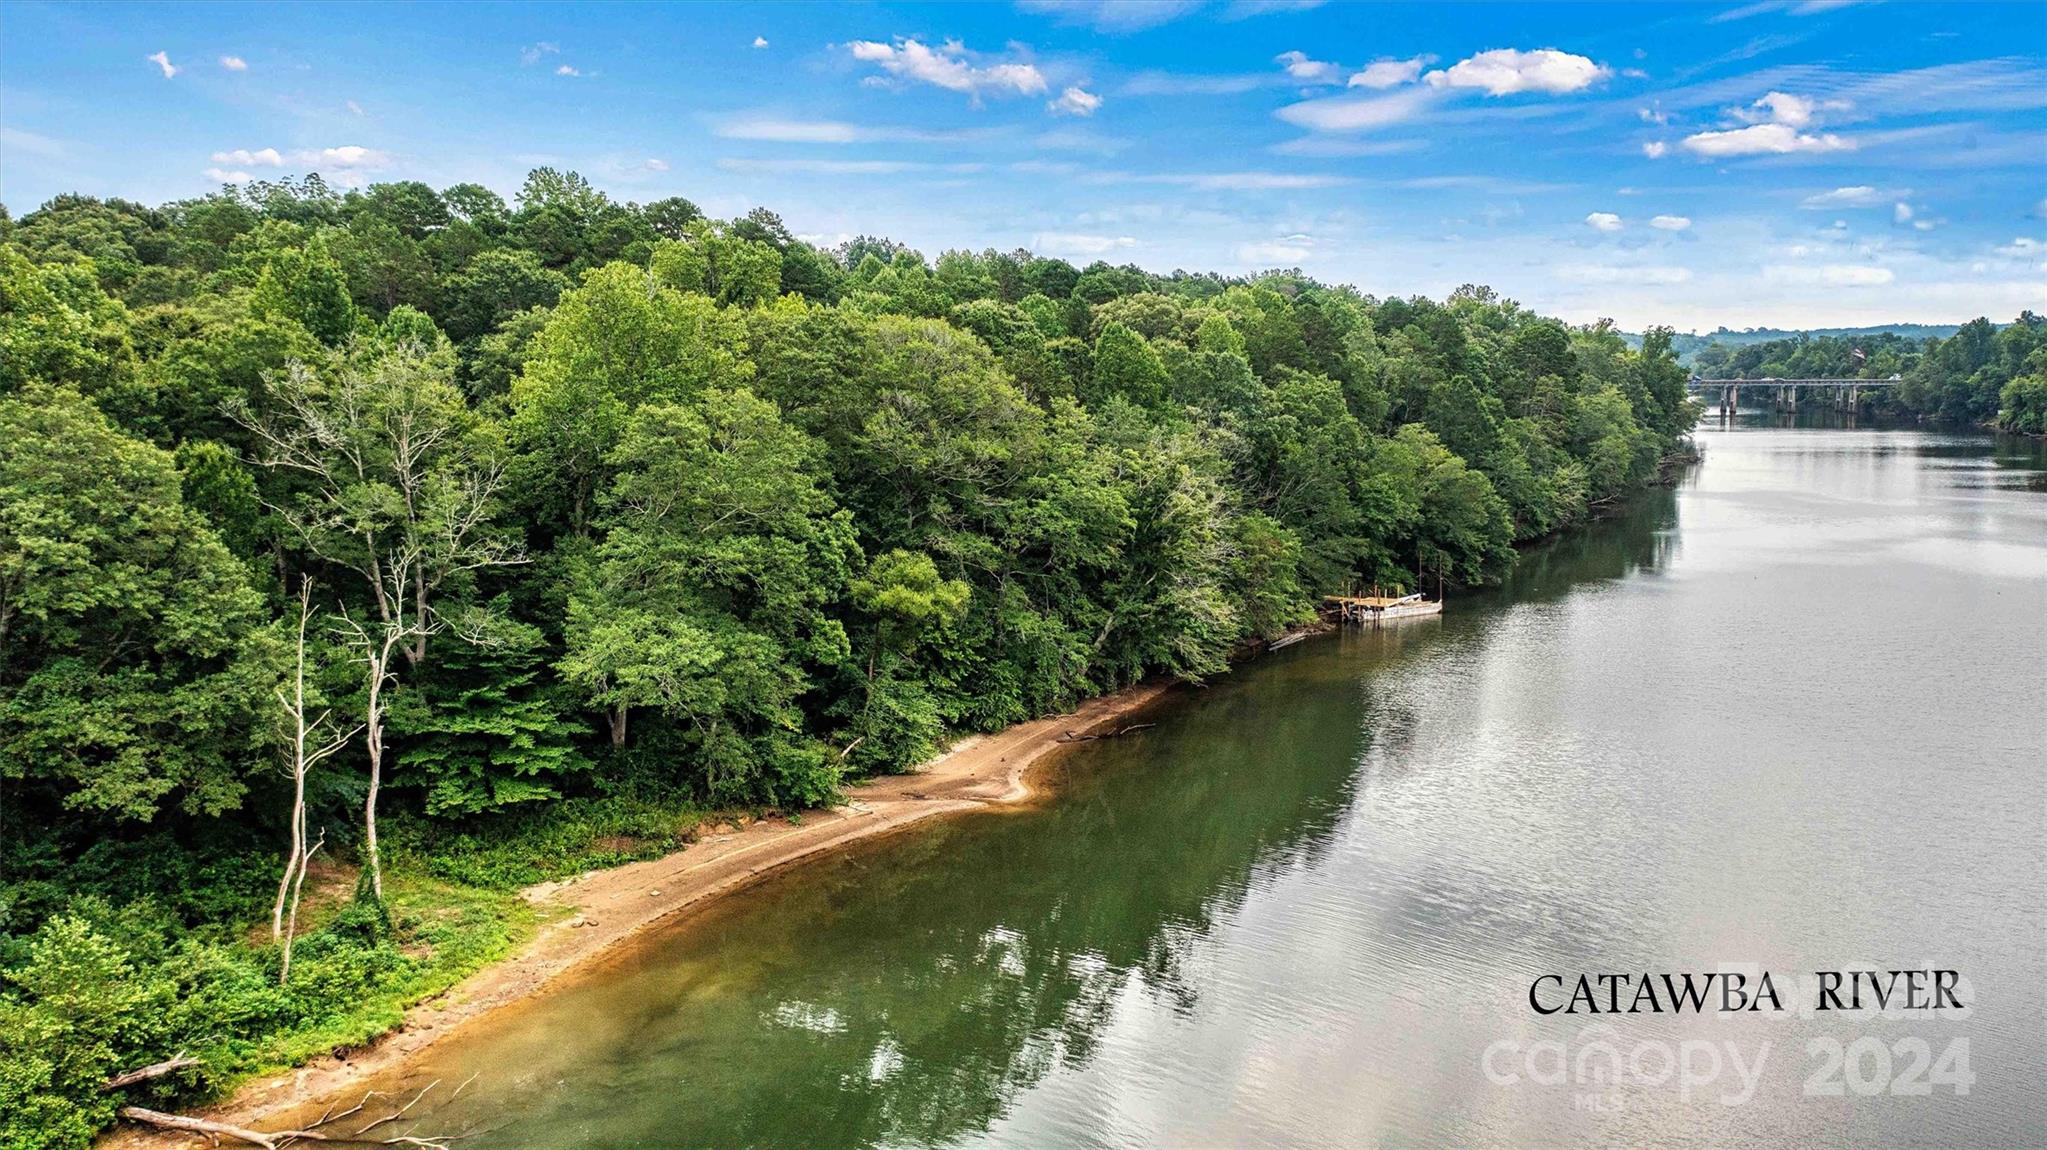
{"x": 1372, "y": 609}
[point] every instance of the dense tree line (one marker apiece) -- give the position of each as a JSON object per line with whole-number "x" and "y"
{"x": 585, "y": 496}
{"x": 1981, "y": 375}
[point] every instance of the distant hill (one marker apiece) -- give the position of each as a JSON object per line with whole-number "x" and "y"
{"x": 1687, "y": 344}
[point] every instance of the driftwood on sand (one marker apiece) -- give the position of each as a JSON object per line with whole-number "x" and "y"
{"x": 279, "y": 1139}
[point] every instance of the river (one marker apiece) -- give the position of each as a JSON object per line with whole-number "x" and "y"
{"x": 1784, "y": 716}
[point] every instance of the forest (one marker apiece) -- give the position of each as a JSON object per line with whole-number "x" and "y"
{"x": 366, "y": 556}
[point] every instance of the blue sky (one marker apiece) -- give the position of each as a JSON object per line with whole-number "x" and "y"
{"x": 1779, "y": 163}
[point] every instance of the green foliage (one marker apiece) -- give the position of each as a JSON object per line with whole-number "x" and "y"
{"x": 484, "y": 729}
{"x": 131, "y": 654}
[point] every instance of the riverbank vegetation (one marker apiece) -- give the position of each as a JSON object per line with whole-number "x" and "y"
{"x": 607, "y": 515}
{"x": 1983, "y": 375}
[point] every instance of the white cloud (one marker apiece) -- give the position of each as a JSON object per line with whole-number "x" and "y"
{"x": 1764, "y": 140}
{"x": 1079, "y": 243}
{"x": 347, "y": 156}
{"x": 1604, "y": 222}
{"x": 269, "y": 157}
{"x": 356, "y": 108}
{"x": 1775, "y": 124}
{"x": 1327, "y": 147}
{"x": 1646, "y": 276}
{"x": 1901, "y": 213}
{"x": 1671, "y": 223}
{"x": 531, "y": 54}
{"x": 567, "y": 70}
{"x": 1269, "y": 254}
{"x": 1858, "y": 196}
{"x": 163, "y": 60}
{"x": 1828, "y": 275}
{"x": 1390, "y": 73}
{"x": 1075, "y": 102}
{"x": 2023, "y": 248}
{"x": 654, "y": 165}
{"x": 1655, "y": 116}
{"x": 234, "y": 63}
{"x": 222, "y": 176}
{"x": 1307, "y": 71}
{"x": 1505, "y": 71}
{"x": 949, "y": 66}
{"x": 1784, "y": 108}
{"x": 1356, "y": 113}
{"x": 760, "y": 41}
{"x": 1655, "y": 149}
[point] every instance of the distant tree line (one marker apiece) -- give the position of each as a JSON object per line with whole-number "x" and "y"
{"x": 1980, "y": 375}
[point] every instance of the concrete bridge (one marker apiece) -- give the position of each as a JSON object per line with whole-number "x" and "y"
{"x": 1783, "y": 393}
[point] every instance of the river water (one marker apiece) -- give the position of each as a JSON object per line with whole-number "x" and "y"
{"x": 1785, "y": 716}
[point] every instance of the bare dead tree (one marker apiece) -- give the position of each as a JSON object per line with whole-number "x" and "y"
{"x": 396, "y": 491}
{"x": 309, "y": 741}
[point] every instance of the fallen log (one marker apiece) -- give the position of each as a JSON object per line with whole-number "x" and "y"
{"x": 212, "y": 1129}
{"x": 171, "y": 1065}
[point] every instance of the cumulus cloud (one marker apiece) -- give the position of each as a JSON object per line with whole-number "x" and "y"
{"x": 567, "y": 70}
{"x": 1079, "y": 243}
{"x": 949, "y": 66}
{"x": 1655, "y": 115}
{"x": 1075, "y": 102}
{"x": 224, "y": 176}
{"x": 760, "y": 41}
{"x": 1671, "y": 223}
{"x": 1901, "y": 213}
{"x": 1784, "y": 108}
{"x": 1764, "y": 140}
{"x": 1506, "y": 71}
{"x": 1604, "y": 222}
{"x": 347, "y": 156}
{"x": 1390, "y": 73}
{"x": 163, "y": 60}
{"x": 1304, "y": 70}
{"x": 234, "y": 63}
{"x": 269, "y": 157}
{"x": 1775, "y": 128}
{"x": 1655, "y": 149}
{"x": 1828, "y": 275}
{"x": 2023, "y": 248}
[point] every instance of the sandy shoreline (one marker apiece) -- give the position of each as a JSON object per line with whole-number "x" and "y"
{"x": 607, "y": 907}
